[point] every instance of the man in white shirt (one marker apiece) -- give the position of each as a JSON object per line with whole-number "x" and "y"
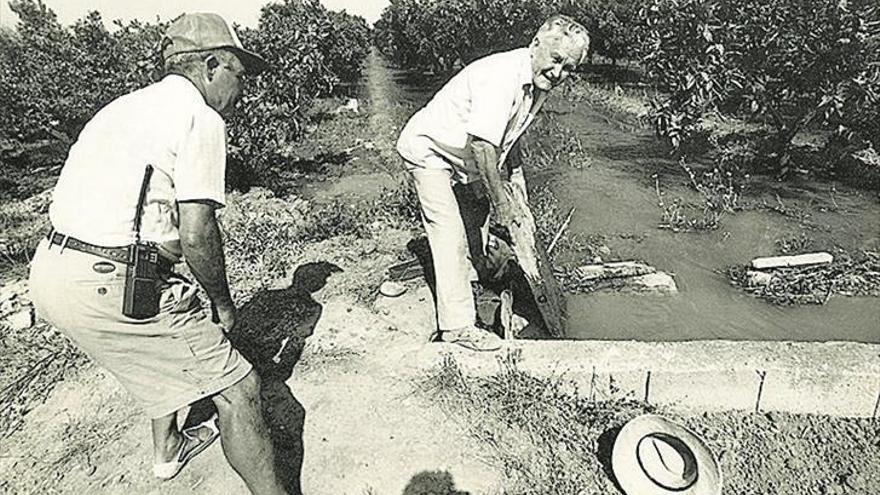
{"x": 460, "y": 148}
{"x": 174, "y": 357}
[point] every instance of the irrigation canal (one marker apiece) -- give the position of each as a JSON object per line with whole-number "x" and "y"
{"x": 614, "y": 193}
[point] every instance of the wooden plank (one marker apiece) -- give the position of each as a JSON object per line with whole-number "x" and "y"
{"x": 797, "y": 260}
{"x": 532, "y": 258}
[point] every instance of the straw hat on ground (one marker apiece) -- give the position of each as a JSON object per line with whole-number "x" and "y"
{"x": 654, "y": 456}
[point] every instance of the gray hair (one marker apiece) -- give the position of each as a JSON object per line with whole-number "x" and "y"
{"x": 559, "y": 27}
{"x": 188, "y": 63}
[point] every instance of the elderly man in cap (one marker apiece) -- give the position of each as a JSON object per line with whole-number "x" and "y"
{"x": 138, "y": 191}
{"x": 461, "y": 148}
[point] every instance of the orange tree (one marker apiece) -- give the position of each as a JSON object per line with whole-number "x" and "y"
{"x": 614, "y": 26}
{"x": 437, "y": 34}
{"x": 54, "y": 78}
{"x": 789, "y": 64}
{"x": 440, "y": 34}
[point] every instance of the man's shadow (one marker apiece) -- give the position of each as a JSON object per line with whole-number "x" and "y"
{"x": 432, "y": 483}
{"x": 271, "y": 331}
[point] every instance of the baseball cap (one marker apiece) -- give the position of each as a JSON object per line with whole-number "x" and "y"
{"x": 206, "y": 31}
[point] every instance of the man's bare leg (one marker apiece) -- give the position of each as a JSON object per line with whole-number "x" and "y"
{"x": 166, "y": 439}
{"x": 245, "y": 436}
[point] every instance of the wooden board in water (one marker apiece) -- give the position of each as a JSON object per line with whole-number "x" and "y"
{"x": 532, "y": 258}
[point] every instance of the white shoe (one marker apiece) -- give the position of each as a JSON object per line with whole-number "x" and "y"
{"x": 472, "y": 338}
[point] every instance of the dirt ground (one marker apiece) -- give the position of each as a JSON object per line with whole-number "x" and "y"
{"x": 346, "y": 421}
{"x": 345, "y": 401}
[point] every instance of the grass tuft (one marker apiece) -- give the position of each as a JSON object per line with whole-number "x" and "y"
{"x": 542, "y": 432}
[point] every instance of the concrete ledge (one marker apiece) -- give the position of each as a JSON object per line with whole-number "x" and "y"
{"x": 834, "y": 378}
{"x": 837, "y": 378}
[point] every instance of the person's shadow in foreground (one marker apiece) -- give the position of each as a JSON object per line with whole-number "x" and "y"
{"x": 270, "y": 333}
{"x": 432, "y": 483}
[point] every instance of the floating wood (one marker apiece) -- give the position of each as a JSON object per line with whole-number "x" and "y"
{"x": 797, "y": 260}
{"x": 616, "y": 269}
{"x": 533, "y": 260}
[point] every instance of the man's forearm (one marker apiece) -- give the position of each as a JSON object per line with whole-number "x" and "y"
{"x": 203, "y": 252}
{"x": 486, "y": 160}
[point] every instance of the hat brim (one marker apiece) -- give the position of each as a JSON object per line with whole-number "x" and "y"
{"x": 633, "y": 480}
{"x": 253, "y": 63}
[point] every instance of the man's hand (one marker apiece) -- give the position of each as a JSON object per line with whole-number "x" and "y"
{"x": 507, "y": 214}
{"x": 225, "y": 316}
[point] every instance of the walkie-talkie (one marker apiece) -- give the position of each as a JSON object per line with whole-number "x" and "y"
{"x": 141, "y": 295}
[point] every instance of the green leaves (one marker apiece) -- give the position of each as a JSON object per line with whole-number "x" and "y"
{"x": 311, "y": 51}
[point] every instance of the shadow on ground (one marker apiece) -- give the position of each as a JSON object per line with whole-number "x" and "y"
{"x": 432, "y": 483}
{"x": 271, "y": 332}
{"x": 605, "y": 448}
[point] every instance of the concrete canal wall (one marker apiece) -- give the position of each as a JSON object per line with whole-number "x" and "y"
{"x": 836, "y": 378}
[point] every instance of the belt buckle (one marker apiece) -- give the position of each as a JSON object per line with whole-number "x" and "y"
{"x": 64, "y": 239}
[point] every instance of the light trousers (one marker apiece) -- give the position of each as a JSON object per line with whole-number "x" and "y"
{"x": 456, "y": 220}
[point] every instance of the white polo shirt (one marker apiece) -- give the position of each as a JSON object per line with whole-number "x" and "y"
{"x": 492, "y": 99}
{"x": 167, "y": 125}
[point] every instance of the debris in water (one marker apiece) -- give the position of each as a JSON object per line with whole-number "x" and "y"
{"x": 849, "y": 275}
{"x": 798, "y": 260}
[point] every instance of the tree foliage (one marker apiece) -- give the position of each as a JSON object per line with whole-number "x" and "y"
{"x": 54, "y": 78}
{"x": 438, "y": 34}
{"x": 790, "y": 64}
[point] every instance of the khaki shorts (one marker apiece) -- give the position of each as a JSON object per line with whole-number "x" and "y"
{"x": 166, "y": 362}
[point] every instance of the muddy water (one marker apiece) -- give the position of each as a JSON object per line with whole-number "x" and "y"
{"x": 615, "y": 197}
{"x": 612, "y": 204}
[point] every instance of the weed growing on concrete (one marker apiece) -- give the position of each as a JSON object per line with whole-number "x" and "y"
{"x": 721, "y": 189}
{"x": 550, "y": 220}
{"x": 795, "y": 244}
